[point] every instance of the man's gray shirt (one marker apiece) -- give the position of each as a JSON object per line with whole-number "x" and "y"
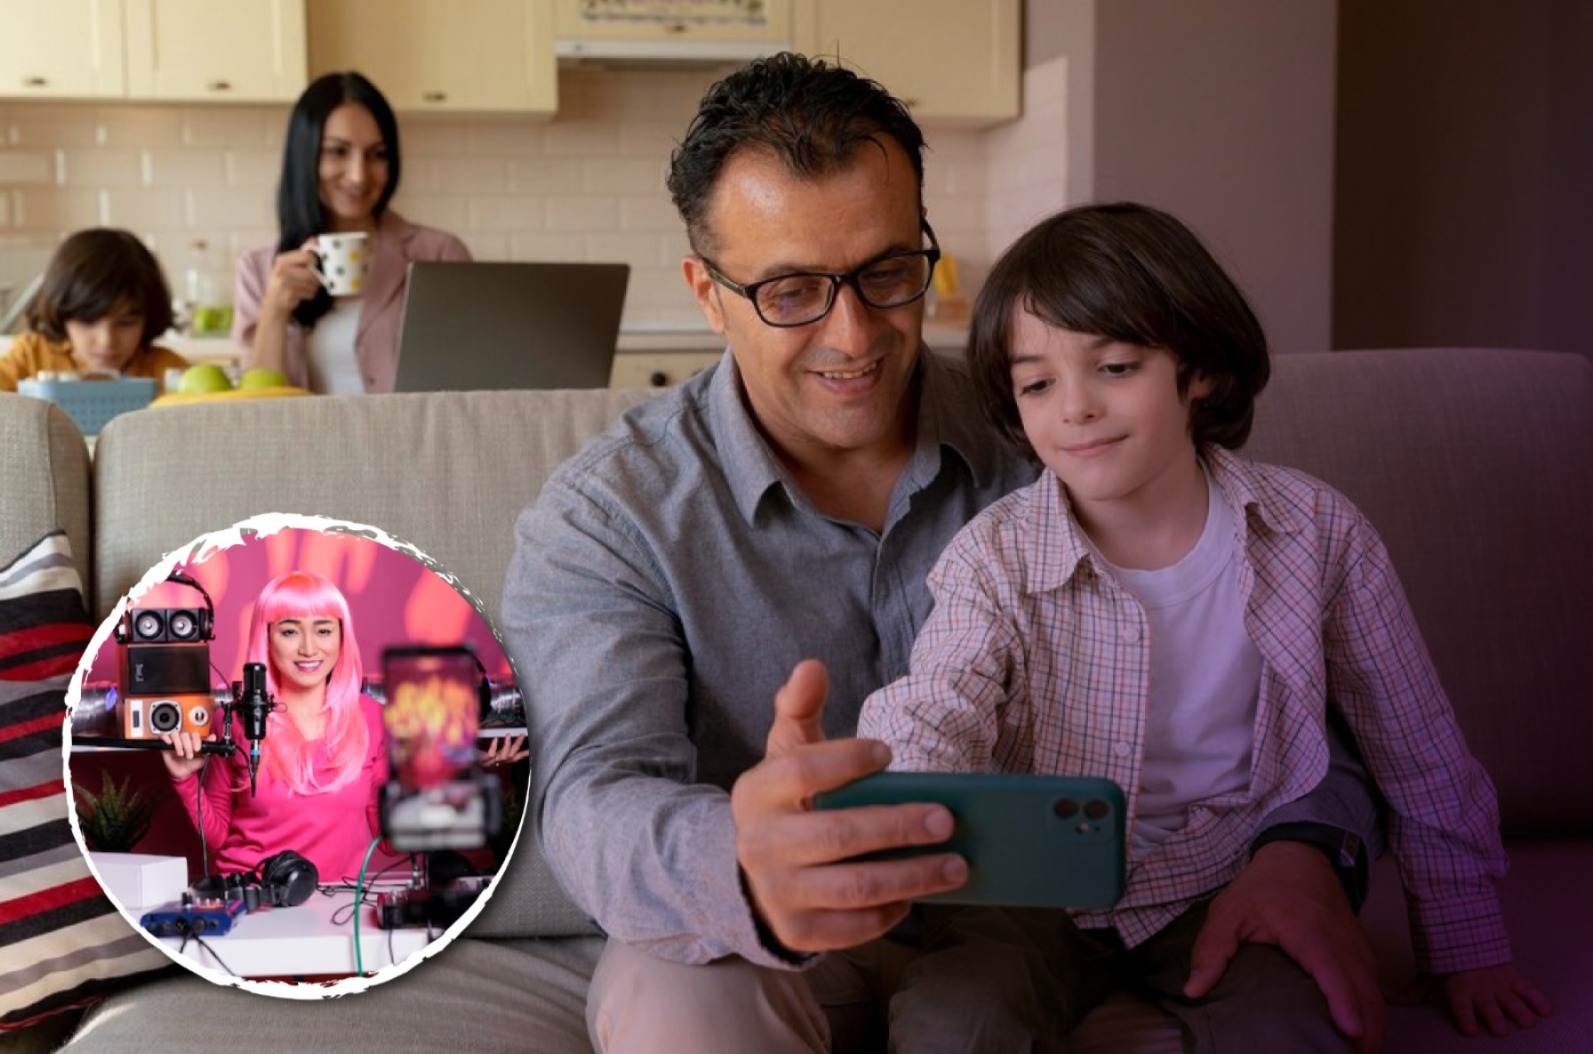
{"x": 664, "y": 584}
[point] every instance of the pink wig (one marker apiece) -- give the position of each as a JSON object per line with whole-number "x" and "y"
{"x": 304, "y": 595}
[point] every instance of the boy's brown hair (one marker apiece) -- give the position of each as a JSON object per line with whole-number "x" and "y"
{"x": 1133, "y": 274}
{"x": 93, "y": 273}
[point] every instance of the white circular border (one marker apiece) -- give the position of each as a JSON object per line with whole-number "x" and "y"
{"x": 200, "y": 549}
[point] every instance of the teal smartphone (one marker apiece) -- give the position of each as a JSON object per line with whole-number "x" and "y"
{"x": 1030, "y": 841}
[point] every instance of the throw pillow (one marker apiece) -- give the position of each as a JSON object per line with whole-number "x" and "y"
{"x": 63, "y": 944}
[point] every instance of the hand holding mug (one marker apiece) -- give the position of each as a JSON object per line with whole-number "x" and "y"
{"x": 342, "y": 261}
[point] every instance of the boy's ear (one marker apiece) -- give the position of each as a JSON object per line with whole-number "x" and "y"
{"x": 1200, "y": 386}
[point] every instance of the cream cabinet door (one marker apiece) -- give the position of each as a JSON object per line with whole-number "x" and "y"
{"x": 215, "y": 50}
{"x": 955, "y": 61}
{"x": 464, "y": 55}
{"x": 65, "y": 49}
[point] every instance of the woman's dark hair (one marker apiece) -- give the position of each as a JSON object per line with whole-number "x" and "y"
{"x": 299, "y": 212}
{"x": 1134, "y": 274}
{"x": 811, "y": 115}
{"x": 93, "y": 273}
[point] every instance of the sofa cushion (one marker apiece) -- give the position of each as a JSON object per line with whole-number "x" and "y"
{"x": 1475, "y": 466}
{"x": 44, "y": 477}
{"x": 64, "y": 943}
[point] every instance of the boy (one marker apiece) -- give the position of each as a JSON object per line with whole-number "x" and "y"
{"x": 1160, "y": 612}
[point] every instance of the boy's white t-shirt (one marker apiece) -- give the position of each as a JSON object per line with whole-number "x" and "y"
{"x": 1205, "y": 679}
{"x": 329, "y": 349}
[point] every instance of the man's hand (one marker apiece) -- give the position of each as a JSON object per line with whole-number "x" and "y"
{"x": 795, "y": 860}
{"x": 1288, "y": 895}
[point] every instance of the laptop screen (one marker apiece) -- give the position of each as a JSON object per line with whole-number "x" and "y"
{"x": 479, "y": 326}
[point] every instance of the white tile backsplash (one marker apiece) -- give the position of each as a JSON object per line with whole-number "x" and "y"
{"x": 586, "y": 185}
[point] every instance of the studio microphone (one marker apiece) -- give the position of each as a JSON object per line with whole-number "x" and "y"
{"x": 256, "y": 704}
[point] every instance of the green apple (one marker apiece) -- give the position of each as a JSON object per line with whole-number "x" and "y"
{"x": 205, "y": 378}
{"x": 261, "y": 377}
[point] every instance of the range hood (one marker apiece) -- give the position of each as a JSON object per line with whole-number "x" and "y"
{"x": 654, "y": 52}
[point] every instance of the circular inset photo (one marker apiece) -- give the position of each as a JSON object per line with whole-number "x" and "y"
{"x": 296, "y": 757}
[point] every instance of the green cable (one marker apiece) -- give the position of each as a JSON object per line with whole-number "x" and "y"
{"x": 359, "y": 902}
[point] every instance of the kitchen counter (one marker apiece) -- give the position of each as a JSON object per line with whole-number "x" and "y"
{"x": 645, "y": 357}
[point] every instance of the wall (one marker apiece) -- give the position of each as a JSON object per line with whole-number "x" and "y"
{"x": 588, "y": 185}
{"x": 1220, "y": 112}
{"x": 1464, "y": 161}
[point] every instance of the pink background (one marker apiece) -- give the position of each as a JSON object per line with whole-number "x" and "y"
{"x": 392, "y": 598}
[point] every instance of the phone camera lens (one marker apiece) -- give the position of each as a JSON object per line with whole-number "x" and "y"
{"x": 1096, "y": 809}
{"x": 1066, "y": 808}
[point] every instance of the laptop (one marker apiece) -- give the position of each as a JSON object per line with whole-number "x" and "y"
{"x": 480, "y": 326}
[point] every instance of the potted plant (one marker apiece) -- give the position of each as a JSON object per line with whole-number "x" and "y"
{"x": 114, "y": 820}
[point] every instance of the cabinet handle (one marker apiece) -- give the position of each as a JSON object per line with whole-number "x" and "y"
{"x": 34, "y": 82}
{"x": 218, "y": 86}
{"x": 675, "y": 27}
{"x": 434, "y": 96}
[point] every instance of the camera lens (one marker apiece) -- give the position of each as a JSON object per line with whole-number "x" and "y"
{"x": 1066, "y": 808}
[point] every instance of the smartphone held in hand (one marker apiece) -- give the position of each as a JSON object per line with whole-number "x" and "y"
{"x": 1030, "y": 841}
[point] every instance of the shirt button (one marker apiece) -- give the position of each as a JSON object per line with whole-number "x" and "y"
{"x": 1120, "y": 749}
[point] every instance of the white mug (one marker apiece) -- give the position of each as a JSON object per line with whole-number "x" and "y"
{"x": 341, "y": 262}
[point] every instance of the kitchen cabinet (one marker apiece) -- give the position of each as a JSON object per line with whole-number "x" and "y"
{"x": 480, "y": 56}
{"x": 67, "y": 49}
{"x": 718, "y": 30}
{"x": 950, "y": 61}
{"x": 204, "y": 51}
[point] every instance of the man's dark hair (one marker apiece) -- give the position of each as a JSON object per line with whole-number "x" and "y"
{"x": 1133, "y": 274}
{"x": 94, "y": 273}
{"x": 811, "y": 115}
{"x": 299, "y": 211}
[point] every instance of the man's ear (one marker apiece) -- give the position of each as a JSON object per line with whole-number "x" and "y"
{"x": 702, "y": 288}
{"x": 1200, "y": 386}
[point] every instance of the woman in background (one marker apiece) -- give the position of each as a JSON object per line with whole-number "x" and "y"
{"x": 323, "y": 759}
{"x": 100, "y": 308}
{"x": 340, "y": 169}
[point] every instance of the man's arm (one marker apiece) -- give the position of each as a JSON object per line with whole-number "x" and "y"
{"x": 653, "y": 855}
{"x": 1306, "y": 879}
{"x": 1342, "y": 816}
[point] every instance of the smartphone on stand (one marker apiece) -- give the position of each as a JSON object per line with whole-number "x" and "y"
{"x": 436, "y": 795}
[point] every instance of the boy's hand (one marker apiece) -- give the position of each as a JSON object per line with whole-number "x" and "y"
{"x": 1493, "y": 997}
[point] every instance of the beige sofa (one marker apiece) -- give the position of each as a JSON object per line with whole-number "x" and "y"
{"x": 1476, "y": 465}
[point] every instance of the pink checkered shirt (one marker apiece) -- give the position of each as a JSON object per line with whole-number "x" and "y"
{"x": 1034, "y": 659}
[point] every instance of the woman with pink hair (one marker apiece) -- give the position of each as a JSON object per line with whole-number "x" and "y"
{"x": 323, "y": 758}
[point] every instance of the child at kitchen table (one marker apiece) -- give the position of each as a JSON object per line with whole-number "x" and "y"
{"x": 1161, "y": 612}
{"x": 101, "y": 306}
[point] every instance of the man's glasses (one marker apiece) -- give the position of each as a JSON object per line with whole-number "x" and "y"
{"x": 801, "y": 299}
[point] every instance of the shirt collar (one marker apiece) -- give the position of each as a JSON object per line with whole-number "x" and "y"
{"x": 1054, "y": 530}
{"x": 947, "y": 420}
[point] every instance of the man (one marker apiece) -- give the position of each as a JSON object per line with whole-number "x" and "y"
{"x": 672, "y": 578}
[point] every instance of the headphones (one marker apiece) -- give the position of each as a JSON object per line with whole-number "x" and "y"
{"x": 285, "y": 880}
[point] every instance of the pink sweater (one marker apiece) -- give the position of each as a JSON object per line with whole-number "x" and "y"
{"x": 399, "y": 243}
{"x": 332, "y": 829}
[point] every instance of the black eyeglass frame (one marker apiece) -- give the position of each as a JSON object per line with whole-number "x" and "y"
{"x": 750, "y": 290}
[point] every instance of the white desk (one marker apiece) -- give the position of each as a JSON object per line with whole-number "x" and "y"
{"x": 303, "y": 941}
